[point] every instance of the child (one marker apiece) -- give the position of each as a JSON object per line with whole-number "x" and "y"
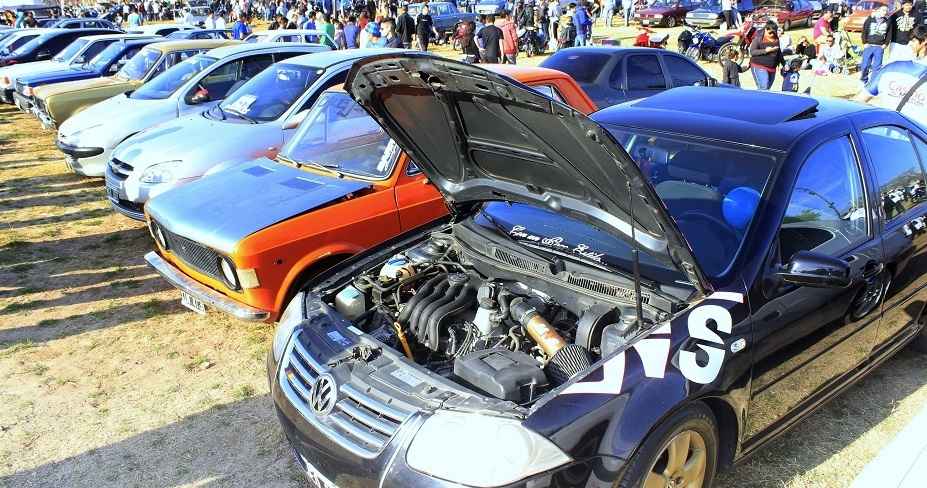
{"x": 791, "y": 76}
{"x": 731, "y": 70}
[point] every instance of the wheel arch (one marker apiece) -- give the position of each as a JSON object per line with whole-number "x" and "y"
{"x": 307, "y": 272}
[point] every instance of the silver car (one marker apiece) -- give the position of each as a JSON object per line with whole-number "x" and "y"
{"x": 80, "y": 51}
{"x": 89, "y": 137}
{"x": 253, "y": 122}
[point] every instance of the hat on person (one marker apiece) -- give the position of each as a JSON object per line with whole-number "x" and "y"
{"x": 373, "y": 29}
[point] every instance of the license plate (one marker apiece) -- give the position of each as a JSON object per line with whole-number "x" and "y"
{"x": 112, "y": 194}
{"x": 315, "y": 478}
{"x": 192, "y": 303}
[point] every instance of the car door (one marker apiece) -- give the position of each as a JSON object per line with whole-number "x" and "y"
{"x": 897, "y": 158}
{"x": 807, "y": 339}
{"x": 644, "y": 75}
{"x": 418, "y": 201}
{"x": 683, "y": 72}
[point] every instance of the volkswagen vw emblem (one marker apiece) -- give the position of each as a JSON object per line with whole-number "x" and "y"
{"x": 324, "y": 395}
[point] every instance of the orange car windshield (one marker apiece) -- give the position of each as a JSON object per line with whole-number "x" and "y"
{"x": 338, "y": 134}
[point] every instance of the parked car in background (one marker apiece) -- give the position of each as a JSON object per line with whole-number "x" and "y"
{"x": 56, "y": 103}
{"x": 77, "y": 53}
{"x": 106, "y": 63}
{"x": 88, "y": 138}
{"x": 666, "y": 13}
{"x": 201, "y": 34}
{"x": 490, "y": 7}
{"x": 612, "y": 75}
{"x": 46, "y": 45}
{"x": 817, "y": 6}
{"x": 83, "y": 23}
{"x": 255, "y": 121}
{"x": 642, "y": 297}
{"x": 291, "y": 35}
{"x": 786, "y": 13}
{"x": 862, "y": 11}
{"x": 160, "y": 29}
{"x": 445, "y": 15}
{"x": 337, "y": 187}
{"x": 708, "y": 13}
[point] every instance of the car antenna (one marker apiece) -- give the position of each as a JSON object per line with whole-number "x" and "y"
{"x": 636, "y": 257}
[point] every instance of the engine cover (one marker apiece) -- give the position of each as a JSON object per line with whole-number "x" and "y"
{"x": 504, "y": 374}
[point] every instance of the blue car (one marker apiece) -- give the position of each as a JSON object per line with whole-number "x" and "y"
{"x": 612, "y": 75}
{"x": 83, "y": 23}
{"x": 107, "y": 63}
{"x": 46, "y": 45}
{"x": 491, "y": 7}
{"x": 640, "y": 297}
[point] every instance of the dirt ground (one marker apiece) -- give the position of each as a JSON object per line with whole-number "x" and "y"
{"x": 106, "y": 381}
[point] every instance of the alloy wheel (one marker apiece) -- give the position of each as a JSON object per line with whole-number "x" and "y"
{"x": 681, "y": 463}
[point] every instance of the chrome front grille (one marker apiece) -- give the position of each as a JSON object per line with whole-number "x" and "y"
{"x": 20, "y": 87}
{"x": 39, "y": 104}
{"x": 193, "y": 253}
{"x": 363, "y": 420}
{"x": 120, "y": 169}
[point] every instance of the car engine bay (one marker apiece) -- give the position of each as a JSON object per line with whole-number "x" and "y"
{"x": 492, "y": 317}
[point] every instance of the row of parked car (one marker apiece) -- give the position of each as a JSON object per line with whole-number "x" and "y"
{"x": 494, "y": 275}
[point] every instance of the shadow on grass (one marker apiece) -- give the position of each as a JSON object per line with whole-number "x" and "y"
{"x": 72, "y": 217}
{"x": 49, "y": 330}
{"x": 831, "y": 429}
{"x": 87, "y": 191}
{"x": 236, "y": 444}
{"x": 112, "y": 290}
{"x": 119, "y": 278}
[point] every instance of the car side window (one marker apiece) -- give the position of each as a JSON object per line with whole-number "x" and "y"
{"x": 682, "y": 72}
{"x": 115, "y": 67}
{"x": 827, "y": 210}
{"x": 338, "y": 79}
{"x": 96, "y": 48}
{"x": 645, "y": 73}
{"x": 897, "y": 170}
{"x": 548, "y": 91}
{"x": 285, "y": 55}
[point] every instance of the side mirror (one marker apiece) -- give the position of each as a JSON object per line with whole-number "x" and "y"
{"x": 815, "y": 270}
{"x": 295, "y": 120}
{"x": 79, "y": 60}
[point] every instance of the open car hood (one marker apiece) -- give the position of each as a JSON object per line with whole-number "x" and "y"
{"x": 480, "y": 136}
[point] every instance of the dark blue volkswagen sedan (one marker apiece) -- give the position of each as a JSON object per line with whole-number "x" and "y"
{"x": 612, "y": 75}
{"x": 639, "y": 298}
{"x": 107, "y": 63}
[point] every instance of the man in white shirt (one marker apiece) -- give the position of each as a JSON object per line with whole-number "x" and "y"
{"x": 210, "y": 22}
{"x": 220, "y": 21}
{"x": 188, "y": 16}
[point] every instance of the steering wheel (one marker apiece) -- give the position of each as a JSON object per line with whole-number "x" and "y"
{"x": 724, "y": 236}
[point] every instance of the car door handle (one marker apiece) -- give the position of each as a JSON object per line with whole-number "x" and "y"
{"x": 914, "y": 225}
{"x": 872, "y": 268}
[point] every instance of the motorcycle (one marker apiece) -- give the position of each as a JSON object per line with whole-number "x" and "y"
{"x": 530, "y": 41}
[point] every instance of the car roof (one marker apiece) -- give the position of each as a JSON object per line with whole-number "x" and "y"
{"x": 526, "y": 74}
{"x": 330, "y": 58}
{"x": 756, "y": 118}
{"x": 118, "y": 36}
{"x": 613, "y": 50}
{"x": 182, "y": 44}
{"x": 246, "y": 47}
{"x": 282, "y": 32}
{"x": 155, "y": 27}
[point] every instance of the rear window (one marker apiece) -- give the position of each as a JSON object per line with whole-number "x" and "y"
{"x": 583, "y": 67}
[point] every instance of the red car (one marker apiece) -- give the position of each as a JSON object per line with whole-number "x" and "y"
{"x": 666, "y": 13}
{"x": 786, "y": 13}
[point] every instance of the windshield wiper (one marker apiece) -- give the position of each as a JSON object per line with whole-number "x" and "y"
{"x": 241, "y": 115}
{"x": 324, "y": 167}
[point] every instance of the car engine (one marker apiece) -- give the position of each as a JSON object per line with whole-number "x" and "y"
{"x": 481, "y": 322}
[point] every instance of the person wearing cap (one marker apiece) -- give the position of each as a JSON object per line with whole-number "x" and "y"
{"x": 900, "y": 25}
{"x": 374, "y": 36}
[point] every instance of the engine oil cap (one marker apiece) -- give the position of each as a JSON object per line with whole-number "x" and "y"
{"x": 458, "y": 278}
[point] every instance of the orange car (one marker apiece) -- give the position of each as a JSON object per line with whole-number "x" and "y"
{"x": 862, "y": 11}
{"x": 244, "y": 239}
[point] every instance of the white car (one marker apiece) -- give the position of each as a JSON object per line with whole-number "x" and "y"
{"x": 88, "y": 138}
{"x": 83, "y": 49}
{"x": 291, "y": 35}
{"x": 159, "y": 29}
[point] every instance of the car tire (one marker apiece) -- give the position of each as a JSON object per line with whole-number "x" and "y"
{"x": 671, "y": 22}
{"x": 694, "y": 427}
{"x": 919, "y": 343}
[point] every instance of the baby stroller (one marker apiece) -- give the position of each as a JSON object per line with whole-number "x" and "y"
{"x": 853, "y": 54}
{"x": 530, "y": 41}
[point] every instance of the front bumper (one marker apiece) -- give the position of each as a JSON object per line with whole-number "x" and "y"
{"x": 203, "y": 293}
{"x": 22, "y": 102}
{"x": 704, "y": 23}
{"x": 85, "y": 161}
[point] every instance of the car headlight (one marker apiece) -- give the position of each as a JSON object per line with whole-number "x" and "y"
{"x": 227, "y": 267}
{"x": 658, "y": 16}
{"x": 487, "y": 451}
{"x": 27, "y": 91}
{"x": 292, "y": 316}
{"x": 160, "y": 173}
{"x": 159, "y": 236}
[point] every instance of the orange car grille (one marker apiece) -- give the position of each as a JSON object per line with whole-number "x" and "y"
{"x": 193, "y": 254}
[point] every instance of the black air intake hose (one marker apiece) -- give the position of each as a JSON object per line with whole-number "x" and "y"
{"x": 569, "y": 361}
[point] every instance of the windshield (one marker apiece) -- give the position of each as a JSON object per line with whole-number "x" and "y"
{"x": 164, "y": 85}
{"x": 26, "y": 44}
{"x": 106, "y": 56}
{"x": 711, "y": 191}
{"x": 270, "y": 93}
{"x": 140, "y": 64}
{"x": 257, "y": 38}
{"x": 70, "y": 51}
{"x": 339, "y": 134}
